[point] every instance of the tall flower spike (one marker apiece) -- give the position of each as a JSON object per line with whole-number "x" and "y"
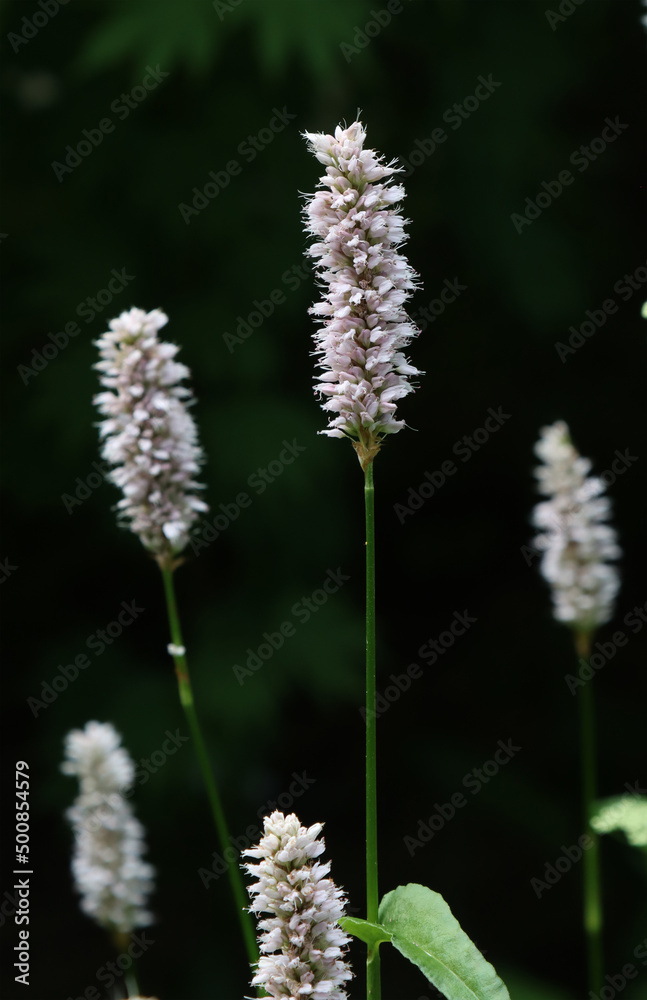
{"x": 358, "y": 228}
{"x": 575, "y": 541}
{"x": 108, "y": 869}
{"x": 302, "y": 944}
{"x": 149, "y": 434}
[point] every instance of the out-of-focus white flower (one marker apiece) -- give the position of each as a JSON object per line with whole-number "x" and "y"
{"x": 358, "y": 230}
{"x": 575, "y": 541}
{"x": 107, "y": 865}
{"x": 149, "y": 433}
{"x": 302, "y": 945}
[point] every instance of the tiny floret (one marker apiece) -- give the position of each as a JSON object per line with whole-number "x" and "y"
{"x": 302, "y": 946}
{"x": 576, "y": 543}
{"x": 149, "y": 434}
{"x": 110, "y": 875}
{"x": 358, "y": 228}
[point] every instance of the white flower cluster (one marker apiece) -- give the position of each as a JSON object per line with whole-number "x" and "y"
{"x": 150, "y": 436}
{"x": 358, "y": 229}
{"x": 108, "y": 869}
{"x": 575, "y": 541}
{"x": 302, "y": 944}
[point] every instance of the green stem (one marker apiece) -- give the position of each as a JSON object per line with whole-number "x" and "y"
{"x": 373, "y": 988}
{"x": 591, "y": 860}
{"x": 186, "y": 697}
{"x": 132, "y": 987}
{"x": 122, "y": 942}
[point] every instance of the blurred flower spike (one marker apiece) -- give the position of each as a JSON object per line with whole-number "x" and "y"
{"x": 108, "y": 869}
{"x": 149, "y": 434}
{"x": 575, "y": 541}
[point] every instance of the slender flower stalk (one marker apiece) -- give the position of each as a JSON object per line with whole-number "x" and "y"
{"x": 593, "y": 917}
{"x": 372, "y": 898}
{"x": 178, "y": 652}
{"x": 151, "y": 439}
{"x": 302, "y": 945}
{"x": 110, "y": 875}
{"x": 358, "y": 229}
{"x": 577, "y": 546}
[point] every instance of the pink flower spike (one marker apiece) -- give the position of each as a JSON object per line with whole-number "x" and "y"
{"x": 578, "y": 546}
{"x": 358, "y": 229}
{"x": 149, "y": 435}
{"x": 303, "y": 948}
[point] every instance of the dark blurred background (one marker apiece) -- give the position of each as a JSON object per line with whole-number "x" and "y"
{"x": 217, "y": 76}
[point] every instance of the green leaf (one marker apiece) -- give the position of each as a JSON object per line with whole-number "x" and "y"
{"x": 426, "y": 932}
{"x": 627, "y": 813}
{"x": 370, "y": 934}
{"x": 151, "y": 32}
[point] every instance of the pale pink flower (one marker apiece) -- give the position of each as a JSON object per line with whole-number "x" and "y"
{"x": 358, "y": 229}
{"x": 575, "y": 541}
{"x": 302, "y": 945}
{"x": 109, "y": 872}
{"x": 150, "y": 436}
